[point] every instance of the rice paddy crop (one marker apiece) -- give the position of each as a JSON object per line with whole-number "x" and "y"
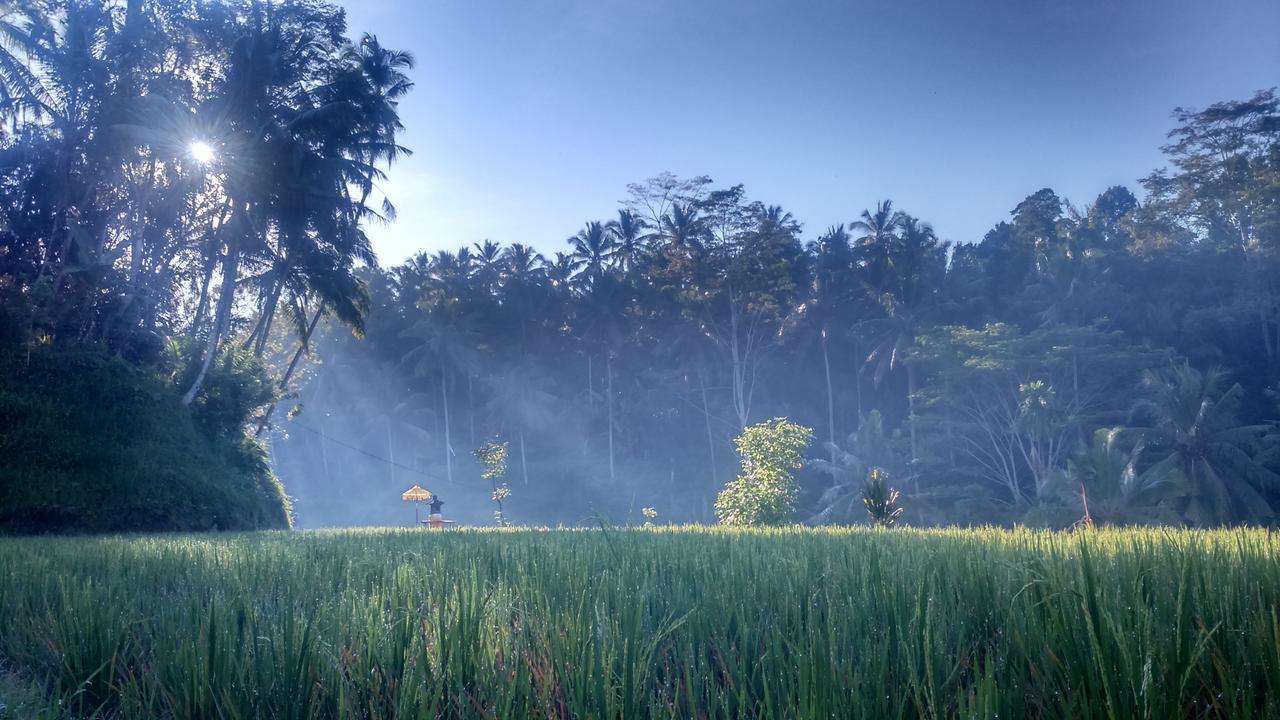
{"x": 665, "y": 623}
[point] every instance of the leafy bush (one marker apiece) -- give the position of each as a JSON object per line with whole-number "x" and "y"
{"x": 765, "y": 493}
{"x": 92, "y": 443}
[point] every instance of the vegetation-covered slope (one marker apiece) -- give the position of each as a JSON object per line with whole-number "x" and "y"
{"x": 93, "y": 443}
{"x": 681, "y": 623}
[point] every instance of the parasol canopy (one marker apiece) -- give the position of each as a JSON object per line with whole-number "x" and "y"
{"x": 415, "y": 494}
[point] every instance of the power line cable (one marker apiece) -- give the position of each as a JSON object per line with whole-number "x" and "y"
{"x": 364, "y": 452}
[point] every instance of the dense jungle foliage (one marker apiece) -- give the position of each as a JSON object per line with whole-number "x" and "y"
{"x": 165, "y": 168}
{"x": 185, "y": 185}
{"x": 1124, "y": 352}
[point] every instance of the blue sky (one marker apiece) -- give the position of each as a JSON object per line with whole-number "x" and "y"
{"x": 529, "y": 118}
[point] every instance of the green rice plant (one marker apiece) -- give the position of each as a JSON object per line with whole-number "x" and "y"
{"x": 664, "y": 622}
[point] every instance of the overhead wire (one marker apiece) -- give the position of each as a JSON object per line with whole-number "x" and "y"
{"x": 362, "y": 451}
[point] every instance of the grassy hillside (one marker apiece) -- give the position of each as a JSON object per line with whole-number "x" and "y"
{"x": 682, "y": 623}
{"x": 91, "y": 443}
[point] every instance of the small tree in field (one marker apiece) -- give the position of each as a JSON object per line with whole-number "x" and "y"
{"x": 492, "y": 457}
{"x": 765, "y": 493}
{"x": 881, "y": 500}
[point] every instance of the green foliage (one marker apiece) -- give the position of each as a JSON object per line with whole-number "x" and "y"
{"x": 1193, "y": 428}
{"x": 93, "y": 443}
{"x": 648, "y": 623}
{"x": 867, "y": 449}
{"x": 765, "y": 493}
{"x": 880, "y": 500}
{"x": 1118, "y": 485}
{"x": 492, "y": 457}
{"x": 236, "y": 387}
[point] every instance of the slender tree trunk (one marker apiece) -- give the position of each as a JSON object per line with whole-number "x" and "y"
{"x": 202, "y": 306}
{"x": 524, "y": 463}
{"x": 391, "y": 453}
{"x": 230, "y": 269}
{"x": 263, "y": 328}
{"x": 711, "y": 440}
{"x": 831, "y": 403}
{"x": 324, "y": 452}
{"x": 911, "y": 408}
{"x": 448, "y": 446}
{"x": 303, "y": 347}
{"x": 857, "y": 378}
{"x": 471, "y": 406}
{"x": 608, "y": 365}
{"x": 210, "y": 265}
{"x": 739, "y": 375}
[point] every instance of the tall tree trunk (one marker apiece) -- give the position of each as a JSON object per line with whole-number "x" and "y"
{"x": 391, "y": 453}
{"x": 524, "y": 463}
{"x": 324, "y": 452}
{"x": 303, "y": 346}
{"x": 210, "y": 265}
{"x": 911, "y": 408}
{"x": 608, "y": 365}
{"x": 263, "y": 328}
{"x": 230, "y": 269}
{"x": 448, "y": 446}
{"x": 738, "y": 377}
{"x": 202, "y": 306}
{"x": 471, "y": 406}
{"x": 711, "y": 439}
{"x": 831, "y": 403}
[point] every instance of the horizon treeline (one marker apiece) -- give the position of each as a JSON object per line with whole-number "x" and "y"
{"x": 1123, "y": 354}
{"x": 185, "y": 192}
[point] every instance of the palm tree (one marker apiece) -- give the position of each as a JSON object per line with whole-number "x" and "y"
{"x": 907, "y": 296}
{"x": 489, "y": 255}
{"x": 563, "y": 269}
{"x": 522, "y": 265}
{"x": 1192, "y": 429}
{"x": 444, "y": 344}
{"x": 1114, "y": 489}
{"x": 522, "y": 399}
{"x": 826, "y": 296}
{"x": 879, "y": 238}
{"x": 594, "y": 245}
{"x": 630, "y": 239}
{"x": 21, "y": 91}
{"x": 682, "y": 227}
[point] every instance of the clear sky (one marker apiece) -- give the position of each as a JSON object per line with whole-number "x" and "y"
{"x": 530, "y": 117}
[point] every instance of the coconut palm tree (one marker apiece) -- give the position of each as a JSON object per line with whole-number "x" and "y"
{"x": 1113, "y": 487}
{"x": 879, "y": 238}
{"x": 563, "y": 269}
{"x": 594, "y": 246}
{"x": 1189, "y": 423}
{"x": 630, "y": 236}
{"x": 682, "y": 227}
{"x": 907, "y": 296}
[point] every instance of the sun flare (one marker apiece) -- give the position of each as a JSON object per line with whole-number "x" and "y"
{"x": 202, "y": 152}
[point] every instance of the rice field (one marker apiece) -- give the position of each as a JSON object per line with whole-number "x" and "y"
{"x": 661, "y": 623}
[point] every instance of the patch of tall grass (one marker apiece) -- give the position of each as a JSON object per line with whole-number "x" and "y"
{"x": 666, "y": 622}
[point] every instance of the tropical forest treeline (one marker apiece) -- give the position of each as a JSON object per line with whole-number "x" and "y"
{"x": 1123, "y": 353}
{"x": 185, "y": 190}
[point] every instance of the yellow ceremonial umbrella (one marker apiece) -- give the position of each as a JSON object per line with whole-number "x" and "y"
{"x": 416, "y": 495}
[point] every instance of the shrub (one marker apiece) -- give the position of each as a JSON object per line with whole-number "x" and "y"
{"x": 765, "y": 493}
